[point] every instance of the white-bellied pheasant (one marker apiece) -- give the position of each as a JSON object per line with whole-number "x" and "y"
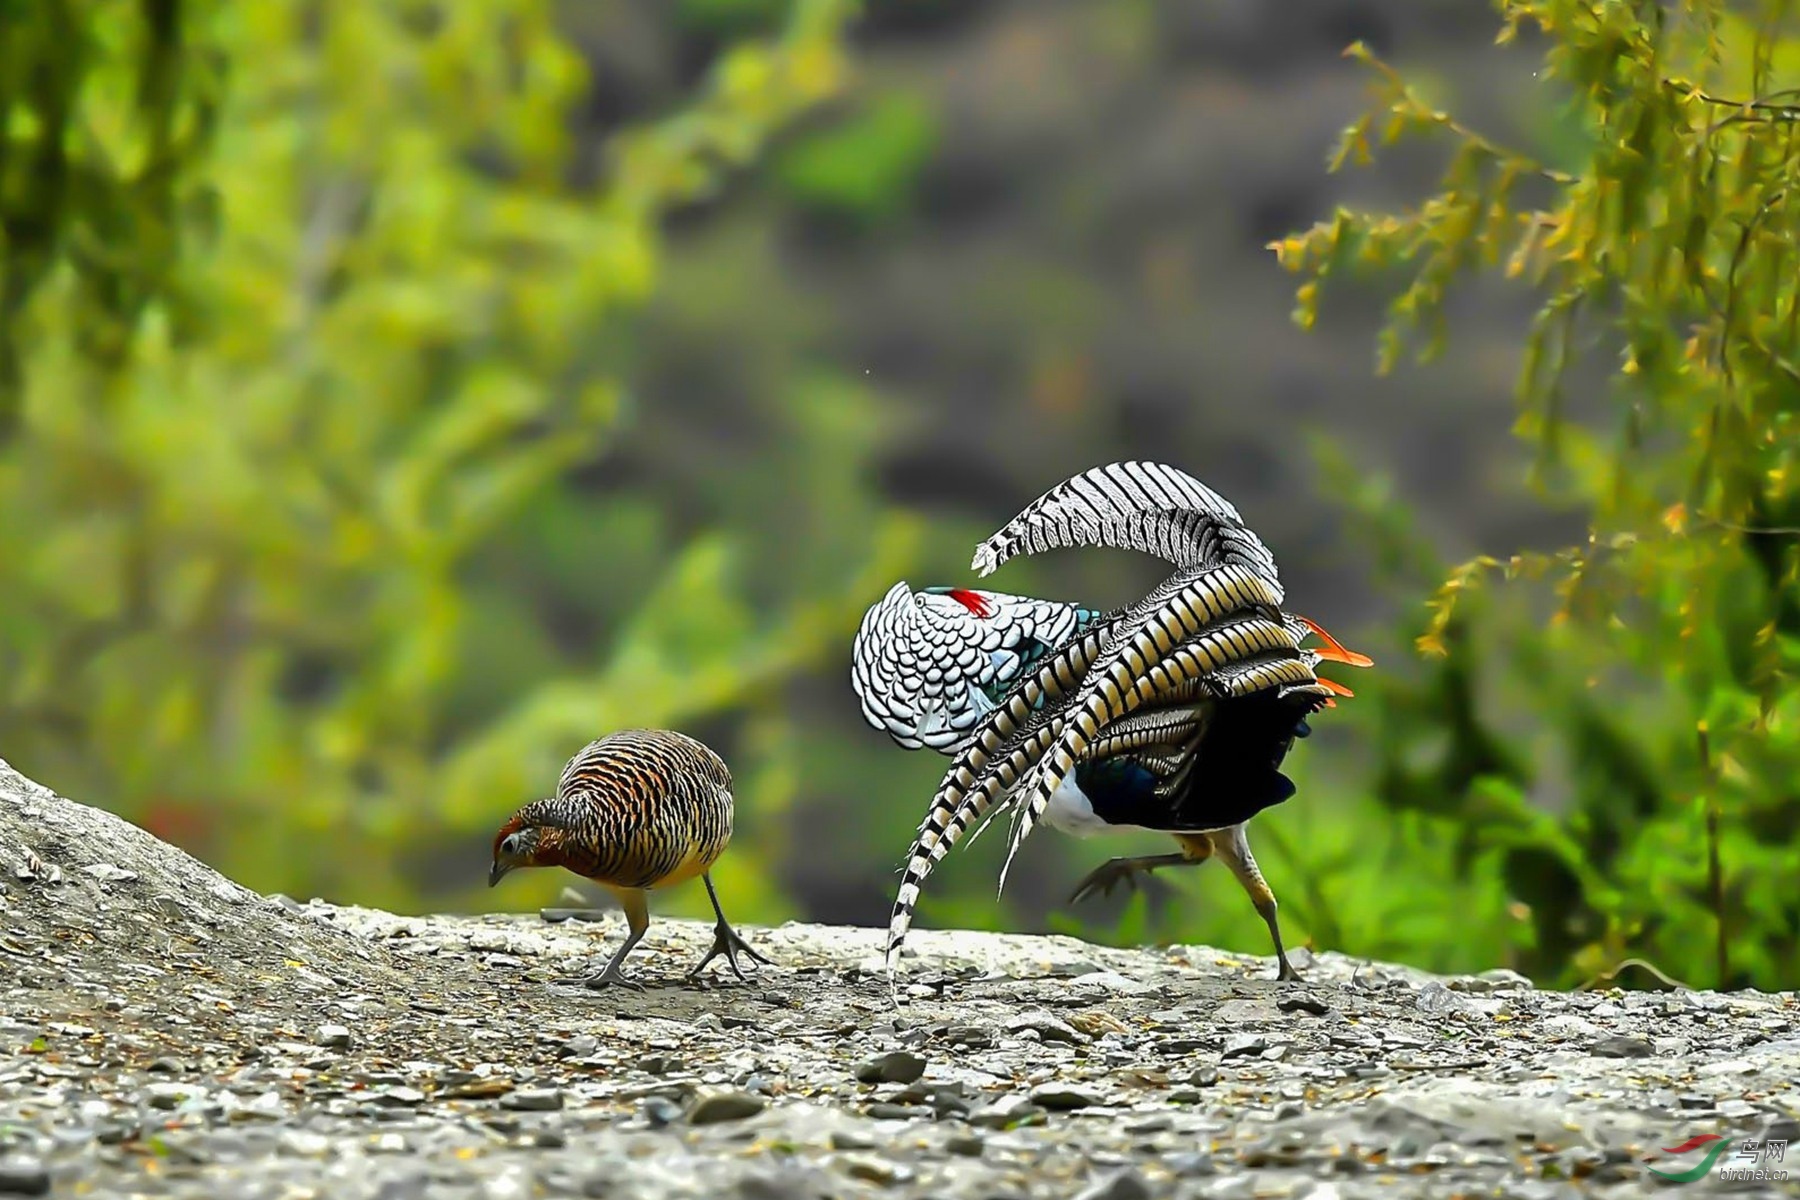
{"x": 1172, "y": 715}
{"x": 637, "y": 810}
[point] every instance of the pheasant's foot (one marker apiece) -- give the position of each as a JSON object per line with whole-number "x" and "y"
{"x": 610, "y": 977}
{"x": 1114, "y": 871}
{"x": 727, "y": 942}
{"x": 1286, "y": 972}
{"x": 1103, "y": 879}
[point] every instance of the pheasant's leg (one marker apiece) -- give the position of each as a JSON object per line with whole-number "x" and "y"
{"x": 637, "y": 917}
{"x": 1234, "y": 849}
{"x": 725, "y": 939}
{"x": 1195, "y": 848}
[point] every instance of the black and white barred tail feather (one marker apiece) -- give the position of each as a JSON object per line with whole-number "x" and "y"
{"x": 1005, "y": 747}
{"x": 1280, "y": 670}
{"x": 1142, "y": 506}
{"x": 991, "y": 766}
{"x": 1219, "y": 657}
{"x": 1185, "y": 609}
{"x": 1021, "y": 714}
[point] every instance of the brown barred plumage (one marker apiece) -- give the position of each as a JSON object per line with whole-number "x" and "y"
{"x": 637, "y": 810}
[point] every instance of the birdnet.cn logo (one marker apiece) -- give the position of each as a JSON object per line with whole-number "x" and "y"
{"x": 1753, "y": 1159}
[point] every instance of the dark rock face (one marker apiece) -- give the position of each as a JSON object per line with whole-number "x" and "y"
{"x": 170, "y": 1032}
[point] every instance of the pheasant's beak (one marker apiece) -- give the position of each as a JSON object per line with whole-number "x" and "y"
{"x": 497, "y": 872}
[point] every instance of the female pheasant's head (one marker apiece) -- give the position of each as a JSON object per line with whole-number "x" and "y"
{"x": 527, "y": 839}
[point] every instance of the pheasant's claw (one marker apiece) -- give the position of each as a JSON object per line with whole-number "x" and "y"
{"x": 610, "y": 977}
{"x": 1286, "y": 972}
{"x": 727, "y": 942}
{"x": 1104, "y": 878}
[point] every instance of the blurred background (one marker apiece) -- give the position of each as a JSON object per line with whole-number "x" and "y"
{"x": 398, "y": 395}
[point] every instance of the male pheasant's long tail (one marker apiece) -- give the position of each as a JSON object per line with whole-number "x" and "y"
{"x": 1145, "y": 506}
{"x": 1004, "y": 751}
{"x": 1027, "y": 718}
{"x": 1229, "y": 656}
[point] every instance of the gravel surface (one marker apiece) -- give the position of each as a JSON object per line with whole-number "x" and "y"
{"x": 170, "y": 1033}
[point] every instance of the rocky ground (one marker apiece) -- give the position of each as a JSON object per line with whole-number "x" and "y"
{"x": 169, "y": 1033}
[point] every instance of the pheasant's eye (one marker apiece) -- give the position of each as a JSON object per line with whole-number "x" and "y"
{"x": 510, "y": 845}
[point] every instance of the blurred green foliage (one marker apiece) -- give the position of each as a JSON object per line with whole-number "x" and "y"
{"x": 108, "y": 113}
{"x": 865, "y": 167}
{"x": 1616, "y": 739}
{"x": 264, "y": 589}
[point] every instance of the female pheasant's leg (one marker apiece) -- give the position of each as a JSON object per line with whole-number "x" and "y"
{"x": 637, "y": 916}
{"x": 1195, "y": 848}
{"x": 1234, "y": 849}
{"x": 725, "y": 939}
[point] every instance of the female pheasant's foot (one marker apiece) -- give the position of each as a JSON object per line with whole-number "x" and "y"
{"x": 605, "y": 979}
{"x": 1286, "y": 972}
{"x": 727, "y": 942}
{"x": 611, "y": 977}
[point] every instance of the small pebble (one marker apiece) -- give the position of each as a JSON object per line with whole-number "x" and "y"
{"x": 871, "y": 1169}
{"x": 898, "y": 1067}
{"x": 660, "y": 1111}
{"x": 1622, "y": 1046}
{"x": 167, "y": 1095}
{"x": 1305, "y": 1004}
{"x": 881, "y": 1110}
{"x": 533, "y": 1100}
{"x": 1059, "y": 1098}
{"x": 848, "y": 1139}
{"x": 1232, "y": 1187}
{"x": 1007, "y": 1116}
{"x": 1126, "y": 1185}
{"x": 1190, "y": 1164}
{"x": 405, "y": 1097}
{"x": 715, "y": 1107}
{"x": 23, "y": 1177}
{"x": 332, "y": 1037}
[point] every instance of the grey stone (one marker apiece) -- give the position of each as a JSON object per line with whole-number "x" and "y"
{"x": 897, "y": 1067}
{"x": 1622, "y": 1046}
{"x": 715, "y": 1107}
{"x": 660, "y": 1111}
{"x": 1123, "y": 1185}
{"x": 23, "y": 1177}
{"x": 848, "y": 1139}
{"x": 1058, "y": 1098}
{"x": 533, "y": 1100}
{"x": 871, "y": 1169}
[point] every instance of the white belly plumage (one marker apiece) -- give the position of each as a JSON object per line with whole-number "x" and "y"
{"x": 1071, "y": 812}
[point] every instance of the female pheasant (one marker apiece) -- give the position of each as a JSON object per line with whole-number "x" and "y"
{"x": 637, "y": 810}
{"x": 1172, "y": 715}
